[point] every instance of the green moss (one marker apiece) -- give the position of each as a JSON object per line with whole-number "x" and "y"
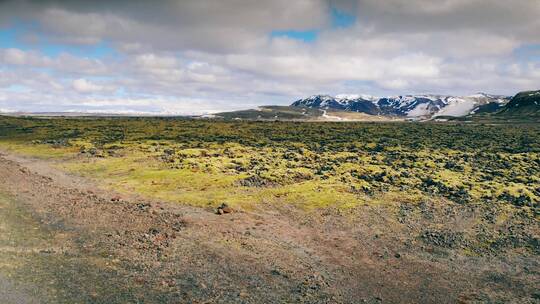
{"x": 310, "y": 165}
{"x": 38, "y": 150}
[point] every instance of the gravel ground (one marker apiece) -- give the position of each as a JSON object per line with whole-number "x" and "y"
{"x": 11, "y": 294}
{"x": 69, "y": 241}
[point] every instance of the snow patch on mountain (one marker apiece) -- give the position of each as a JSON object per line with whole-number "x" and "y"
{"x": 458, "y": 107}
{"x": 419, "y": 110}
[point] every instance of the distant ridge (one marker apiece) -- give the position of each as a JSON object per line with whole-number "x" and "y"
{"x": 523, "y": 104}
{"x": 413, "y": 106}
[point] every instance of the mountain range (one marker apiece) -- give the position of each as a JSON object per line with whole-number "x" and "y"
{"x": 413, "y": 106}
{"x": 524, "y": 106}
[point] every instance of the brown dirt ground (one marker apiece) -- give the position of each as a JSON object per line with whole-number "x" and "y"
{"x": 67, "y": 241}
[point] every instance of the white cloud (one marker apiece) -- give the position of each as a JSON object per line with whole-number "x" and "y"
{"x": 151, "y": 61}
{"x": 14, "y": 56}
{"x": 84, "y": 86}
{"x": 214, "y": 25}
{"x": 212, "y": 55}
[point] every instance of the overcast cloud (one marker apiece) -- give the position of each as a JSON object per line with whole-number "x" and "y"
{"x": 204, "y": 56}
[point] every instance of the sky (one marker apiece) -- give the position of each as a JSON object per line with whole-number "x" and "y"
{"x": 197, "y": 56}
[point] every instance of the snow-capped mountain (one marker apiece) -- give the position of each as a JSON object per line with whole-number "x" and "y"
{"x": 420, "y": 106}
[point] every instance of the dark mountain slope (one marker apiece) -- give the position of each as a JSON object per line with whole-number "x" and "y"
{"x": 523, "y": 104}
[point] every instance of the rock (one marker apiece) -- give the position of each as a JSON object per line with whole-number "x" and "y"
{"x": 144, "y": 206}
{"x": 116, "y": 198}
{"x": 168, "y": 151}
{"x": 397, "y": 255}
{"x": 255, "y": 181}
{"x": 444, "y": 238}
{"x": 223, "y": 209}
{"x": 243, "y": 294}
{"x": 92, "y": 151}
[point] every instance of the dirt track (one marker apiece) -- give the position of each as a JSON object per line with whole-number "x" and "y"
{"x": 66, "y": 241}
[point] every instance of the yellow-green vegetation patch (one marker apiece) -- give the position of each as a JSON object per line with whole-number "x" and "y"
{"x": 42, "y": 151}
{"x": 309, "y": 165}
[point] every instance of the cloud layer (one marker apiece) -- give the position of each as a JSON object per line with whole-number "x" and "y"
{"x": 200, "y": 56}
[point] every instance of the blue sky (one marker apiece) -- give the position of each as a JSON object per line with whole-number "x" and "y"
{"x": 182, "y": 57}
{"x": 305, "y": 36}
{"x": 528, "y": 53}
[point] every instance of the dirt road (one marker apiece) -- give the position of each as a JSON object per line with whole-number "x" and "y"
{"x": 64, "y": 240}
